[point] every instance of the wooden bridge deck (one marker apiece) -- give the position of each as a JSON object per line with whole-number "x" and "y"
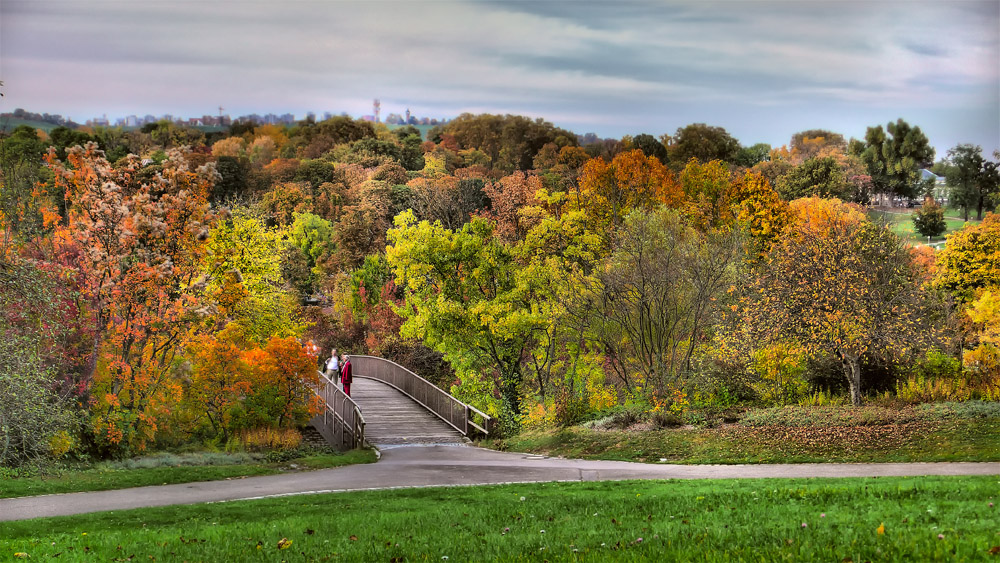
{"x": 392, "y": 418}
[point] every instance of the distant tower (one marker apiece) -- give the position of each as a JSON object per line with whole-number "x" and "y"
{"x": 377, "y": 106}
{"x": 221, "y": 109}
{"x": 407, "y": 115}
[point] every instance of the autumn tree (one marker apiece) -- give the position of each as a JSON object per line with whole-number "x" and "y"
{"x": 219, "y": 381}
{"x": 970, "y": 261}
{"x": 708, "y": 197}
{"x": 760, "y": 213}
{"x": 142, "y": 241}
{"x": 632, "y": 180}
{"x": 508, "y": 196}
{"x": 838, "y": 284}
{"x": 242, "y": 266}
{"x": 282, "y": 375}
{"x": 510, "y": 142}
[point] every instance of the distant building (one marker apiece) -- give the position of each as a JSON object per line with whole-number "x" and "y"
{"x": 940, "y": 189}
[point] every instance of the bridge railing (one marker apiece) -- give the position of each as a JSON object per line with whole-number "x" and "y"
{"x": 340, "y": 423}
{"x": 462, "y": 417}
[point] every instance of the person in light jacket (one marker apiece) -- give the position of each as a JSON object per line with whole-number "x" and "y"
{"x": 333, "y": 366}
{"x": 346, "y": 377}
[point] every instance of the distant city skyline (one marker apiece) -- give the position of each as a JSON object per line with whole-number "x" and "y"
{"x": 763, "y": 70}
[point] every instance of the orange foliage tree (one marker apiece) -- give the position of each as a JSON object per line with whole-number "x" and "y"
{"x": 219, "y": 380}
{"x": 282, "y": 376}
{"x": 610, "y": 191}
{"x": 141, "y": 240}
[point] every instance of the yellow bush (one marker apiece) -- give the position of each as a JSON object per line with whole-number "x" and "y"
{"x": 600, "y": 396}
{"x": 822, "y": 399}
{"x": 259, "y": 439}
{"x": 61, "y": 443}
{"x": 780, "y": 367}
{"x": 540, "y": 415}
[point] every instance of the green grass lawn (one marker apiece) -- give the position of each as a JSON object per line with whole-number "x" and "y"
{"x": 901, "y": 223}
{"x": 156, "y": 470}
{"x": 883, "y": 519}
{"x": 945, "y": 432}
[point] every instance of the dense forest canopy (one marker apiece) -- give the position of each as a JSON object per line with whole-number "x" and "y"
{"x": 165, "y": 285}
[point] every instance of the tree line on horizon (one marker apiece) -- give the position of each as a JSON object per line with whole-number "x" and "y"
{"x": 164, "y": 286}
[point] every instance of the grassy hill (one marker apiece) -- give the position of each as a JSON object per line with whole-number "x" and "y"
{"x": 8, "y": 124}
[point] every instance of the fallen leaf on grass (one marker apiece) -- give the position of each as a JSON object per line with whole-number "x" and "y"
{"x": 995, "y": 550}
{"x": 353, "y": 538}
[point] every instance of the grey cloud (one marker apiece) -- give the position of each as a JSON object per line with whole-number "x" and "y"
{"x": 925, "y": 49}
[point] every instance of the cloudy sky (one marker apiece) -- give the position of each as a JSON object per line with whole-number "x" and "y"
{"x": 763, "y": 70}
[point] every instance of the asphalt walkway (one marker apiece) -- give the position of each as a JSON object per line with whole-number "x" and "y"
{"x": 443, "y": 465}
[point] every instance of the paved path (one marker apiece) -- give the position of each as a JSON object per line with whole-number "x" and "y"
{"x": 392, "y": 418}
{"x": 417, "y": 466}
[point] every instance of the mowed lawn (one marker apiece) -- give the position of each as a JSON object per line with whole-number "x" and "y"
{"x": 901, "y": 223}
{"x": 883, "y": 519}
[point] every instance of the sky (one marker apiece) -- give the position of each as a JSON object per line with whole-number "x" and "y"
{"x": 761, "y": 69}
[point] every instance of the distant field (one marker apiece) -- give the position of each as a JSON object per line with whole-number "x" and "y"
{"x": 901, "y": 223}
{"x": 8, "y": 124}
{"x": 423, "y": 129}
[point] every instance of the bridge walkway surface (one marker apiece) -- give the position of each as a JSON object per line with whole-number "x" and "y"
{"x": 393, "y": 419}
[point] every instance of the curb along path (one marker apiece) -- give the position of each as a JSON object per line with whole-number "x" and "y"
{"x": 443, "y": 465}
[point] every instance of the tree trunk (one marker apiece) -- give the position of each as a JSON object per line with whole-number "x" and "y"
{"x": 852, "y": 370}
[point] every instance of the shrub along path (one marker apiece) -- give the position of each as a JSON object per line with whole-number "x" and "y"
{"x": 419, "y": 466}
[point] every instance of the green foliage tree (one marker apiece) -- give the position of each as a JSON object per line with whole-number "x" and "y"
{"x": 36, "y": 317}
{"x": 820, "y": 177}
{"x": 466, "y": 299}
{"x": 650, "y": 146}
{"x": 750, "y": 156}
{"x": 894, "y": 156}
{"x": 929, "y": 219}
{"x": 314, "y": 235}
{"x": 972, "y": 179}
{"x": 704, "y": 142}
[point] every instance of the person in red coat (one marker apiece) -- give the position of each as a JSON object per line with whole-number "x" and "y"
{"x": 346, "y": 377}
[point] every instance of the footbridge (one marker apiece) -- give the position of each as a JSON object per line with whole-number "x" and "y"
{"x": 390, "y": 406}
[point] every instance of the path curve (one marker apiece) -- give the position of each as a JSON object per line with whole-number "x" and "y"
{"x": 443, "y": 465}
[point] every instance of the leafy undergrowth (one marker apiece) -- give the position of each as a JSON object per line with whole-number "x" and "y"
{"x": 167, "y": 469}
{"x": 884, "y": 519}
{"x": 934, "y": 432}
